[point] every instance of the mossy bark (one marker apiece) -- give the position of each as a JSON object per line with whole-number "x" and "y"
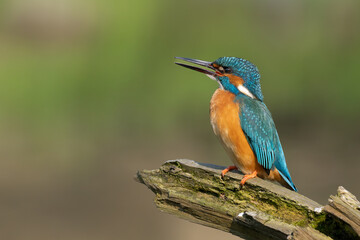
{"x": 260, "y": 210}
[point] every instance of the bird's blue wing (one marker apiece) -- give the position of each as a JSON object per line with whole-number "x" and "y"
{"x": 260, "y": 130}
{"x": 258, "y": 126}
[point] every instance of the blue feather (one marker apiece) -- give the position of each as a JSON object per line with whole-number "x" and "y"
{"x": 259, "y": 127}
{"x": 247, "y": 71}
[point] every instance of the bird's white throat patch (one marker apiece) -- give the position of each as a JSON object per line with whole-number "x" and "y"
{"x": 245, "y": 91}
{"x": 214, "y": 78}
{"x": 211, "y": 76}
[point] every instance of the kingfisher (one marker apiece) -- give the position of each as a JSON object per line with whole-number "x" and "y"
{"x": 241, "y": 120}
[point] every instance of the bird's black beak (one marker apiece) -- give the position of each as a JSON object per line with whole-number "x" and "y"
{"x": 198, "y": 62}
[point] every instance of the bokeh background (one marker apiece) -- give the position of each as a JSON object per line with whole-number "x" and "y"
{"x": 89, "y": 94}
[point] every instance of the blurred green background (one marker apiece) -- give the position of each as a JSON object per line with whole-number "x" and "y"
{"x": 90, "y": 94}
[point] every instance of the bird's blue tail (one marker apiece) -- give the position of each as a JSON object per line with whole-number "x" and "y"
{"x": 288, "y": 181}
{"x": 280, "y": 165}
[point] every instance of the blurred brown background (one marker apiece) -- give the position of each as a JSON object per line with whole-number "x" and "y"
{"x": 90, "y": 94}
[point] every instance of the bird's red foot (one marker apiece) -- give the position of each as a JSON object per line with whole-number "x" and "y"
{"x": 247, "y": 177}
{"x": 229, "y": 168}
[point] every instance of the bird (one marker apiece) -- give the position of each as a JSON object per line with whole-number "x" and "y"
{"x": 242, "y": 121}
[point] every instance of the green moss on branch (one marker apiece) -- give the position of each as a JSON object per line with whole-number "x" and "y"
{"x": 197, "y": 193}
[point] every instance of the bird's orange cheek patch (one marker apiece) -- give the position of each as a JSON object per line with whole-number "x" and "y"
{"x": 234, "y": 80}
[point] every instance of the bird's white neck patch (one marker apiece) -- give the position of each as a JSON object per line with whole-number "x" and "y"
{"x": 245, "y": 91}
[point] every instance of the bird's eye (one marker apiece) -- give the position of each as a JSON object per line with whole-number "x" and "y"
{"x": 227, "y": 70}
{"x": 221, "y": 69}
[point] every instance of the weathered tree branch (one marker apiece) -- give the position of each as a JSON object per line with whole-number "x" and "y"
{"x": 260, "y": 210}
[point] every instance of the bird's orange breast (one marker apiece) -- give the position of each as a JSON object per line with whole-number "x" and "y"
{"x": 225, "y": 120}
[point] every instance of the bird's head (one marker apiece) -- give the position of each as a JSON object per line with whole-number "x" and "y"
{"x": 236, "y": 75}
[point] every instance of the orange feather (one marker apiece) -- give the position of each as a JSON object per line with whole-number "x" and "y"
{"x": 225, "y": 120}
